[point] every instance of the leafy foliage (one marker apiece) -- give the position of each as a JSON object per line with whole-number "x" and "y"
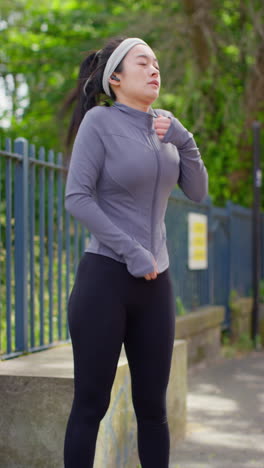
{"x": 211, "y": 69}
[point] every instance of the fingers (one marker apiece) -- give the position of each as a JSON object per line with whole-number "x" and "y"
{"x": 161, "y": 132}
{"x": 154, "y": 274}
{"x": 151, "y": 276}
{"x": 161, "y": 120}
{"x": 161, "y": 125}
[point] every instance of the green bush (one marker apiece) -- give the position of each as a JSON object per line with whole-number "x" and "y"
{"x": 180, "y": 309}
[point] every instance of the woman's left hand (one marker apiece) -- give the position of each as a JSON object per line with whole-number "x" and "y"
{"x": 161, "y": 125}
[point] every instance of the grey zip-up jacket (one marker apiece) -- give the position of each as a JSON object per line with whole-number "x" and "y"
{"x": 120, "y": 178}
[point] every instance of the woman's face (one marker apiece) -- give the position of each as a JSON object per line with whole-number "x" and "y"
{"x": 140, "y": 68}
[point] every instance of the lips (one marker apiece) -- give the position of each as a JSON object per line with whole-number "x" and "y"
{"x": 154, "y": 82}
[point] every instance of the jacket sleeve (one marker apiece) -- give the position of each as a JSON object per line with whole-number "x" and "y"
{"x": 193, "y": 179}
{"x": 80, "y": 199}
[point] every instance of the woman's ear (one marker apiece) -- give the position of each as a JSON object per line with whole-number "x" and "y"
{"x": 114, "y": 80}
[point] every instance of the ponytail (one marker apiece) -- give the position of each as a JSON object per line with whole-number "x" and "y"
{"x": 92, "y": 67}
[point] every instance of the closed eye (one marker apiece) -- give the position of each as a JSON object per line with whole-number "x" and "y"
{"x": 157, "y": 68}
{"x": 149, "y": 58}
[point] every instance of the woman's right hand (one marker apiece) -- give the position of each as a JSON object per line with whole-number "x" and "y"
{"x": 154, "y": 274}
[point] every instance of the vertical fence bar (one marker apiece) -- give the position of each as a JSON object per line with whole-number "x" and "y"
{"x": 68, "y": 247}
{"x": 21, "y": 245}
{"x": 8, "y": 245}
{"x": 210, "y": 253}
{"x": 32, "y": 192}
{"x": 50, "y": 241}
{"x": 76, "y": 244}
{"x": 60, "y": 241}
{"x": 262, "y": 246}
{"x": 229, "y": 255}
{"x": 83, "y": 238}
{"x": 1, "y": 257}
{"x": 256, "y": 231}
{"x": 41, "y": 244}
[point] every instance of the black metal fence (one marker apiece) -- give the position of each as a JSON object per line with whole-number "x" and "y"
{"x": 229, "y": 253}
{"x": 41, "y": 244}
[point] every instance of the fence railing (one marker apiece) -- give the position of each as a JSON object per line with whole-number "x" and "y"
{"x": 41, "y": 244}
{"x": 229, "y": 253}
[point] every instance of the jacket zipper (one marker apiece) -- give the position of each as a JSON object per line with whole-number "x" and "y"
{"x": 156, "y": 183}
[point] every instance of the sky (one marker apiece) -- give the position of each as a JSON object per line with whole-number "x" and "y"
{"x": 6, "y": 89}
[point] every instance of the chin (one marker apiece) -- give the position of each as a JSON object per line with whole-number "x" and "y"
{"x": 153, "y": 98}
{"x": 155, "y": 94}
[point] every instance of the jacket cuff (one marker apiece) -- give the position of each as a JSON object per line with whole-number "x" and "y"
{"x": 176, "y": 133}
{"x": 140, "y": 264}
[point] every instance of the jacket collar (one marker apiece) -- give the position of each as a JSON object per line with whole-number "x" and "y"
{"x": 139, "y": 118}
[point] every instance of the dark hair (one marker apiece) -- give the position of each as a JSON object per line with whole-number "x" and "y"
{"x": 92, "y": 66}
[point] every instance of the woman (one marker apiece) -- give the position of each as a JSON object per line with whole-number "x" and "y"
{"x": 125, "y": 161}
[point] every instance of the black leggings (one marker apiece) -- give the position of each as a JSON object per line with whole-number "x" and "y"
{"x": 109, "y": 306}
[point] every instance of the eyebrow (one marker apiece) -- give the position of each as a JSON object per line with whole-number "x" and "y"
{"x": 147, "y": 56}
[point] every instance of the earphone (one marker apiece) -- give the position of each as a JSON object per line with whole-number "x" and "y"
{"x": 115, "y": 78}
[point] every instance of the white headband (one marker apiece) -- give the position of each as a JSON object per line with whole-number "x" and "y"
{"x": 116, "y": 57}
{"x": 114, "y": 60}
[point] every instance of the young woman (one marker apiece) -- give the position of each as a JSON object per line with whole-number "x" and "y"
{"x": 125, "y": 161}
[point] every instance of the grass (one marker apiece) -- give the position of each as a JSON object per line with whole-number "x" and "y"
{"x": 236, "y": 347}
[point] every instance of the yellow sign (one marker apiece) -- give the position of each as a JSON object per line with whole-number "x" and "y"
{"x": 198, "y": 256}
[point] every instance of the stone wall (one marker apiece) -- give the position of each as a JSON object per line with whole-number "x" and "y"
{"x": 35, "y": 400}
{"x": 241, "y": 313}
{"x": 202, "y": 331}
{"x": 241, "y": 310}
{"x": 261, "y": 323}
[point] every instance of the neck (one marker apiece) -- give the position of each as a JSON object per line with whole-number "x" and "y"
{"x": 135, "y": 104}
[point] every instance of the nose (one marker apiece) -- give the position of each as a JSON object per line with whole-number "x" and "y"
{"x": 154, "y": 71}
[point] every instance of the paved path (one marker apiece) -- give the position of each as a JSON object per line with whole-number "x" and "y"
{"x": 225, "y": 415}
